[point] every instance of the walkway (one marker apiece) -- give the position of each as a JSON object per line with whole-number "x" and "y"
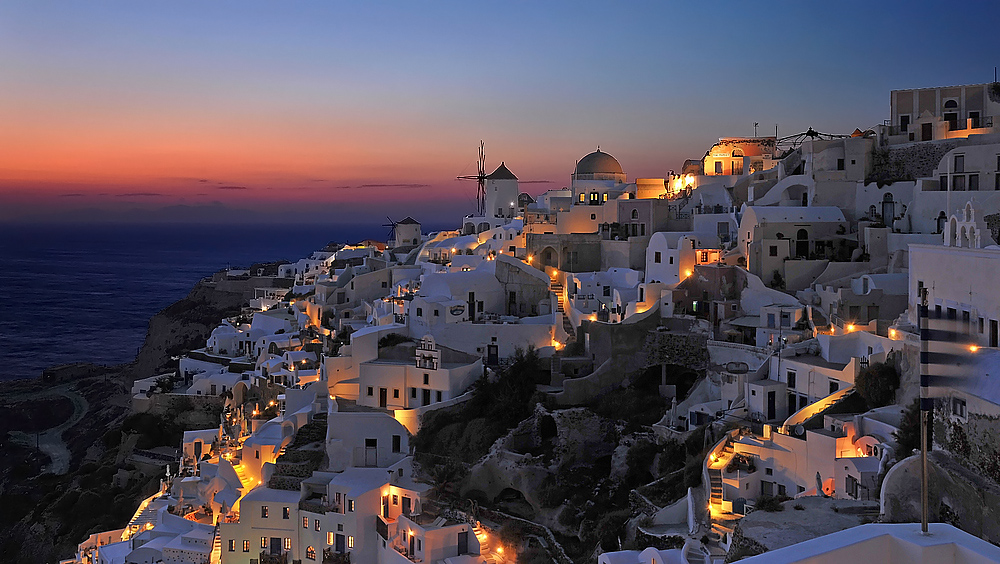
{"x": 50, "y": 441}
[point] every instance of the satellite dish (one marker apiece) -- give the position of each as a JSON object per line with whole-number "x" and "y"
{"x": 799, "y": 430}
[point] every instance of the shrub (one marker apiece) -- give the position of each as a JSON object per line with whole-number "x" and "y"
{"x": 770, "y": 503}
{"x": 877, "y": 384}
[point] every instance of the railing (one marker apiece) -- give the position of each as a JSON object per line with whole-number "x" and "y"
{"x": 331, "y": 557}
{"x": 318, "y": 506}
{"x": 267, "y": 558}
{"x": 382, "y": 528}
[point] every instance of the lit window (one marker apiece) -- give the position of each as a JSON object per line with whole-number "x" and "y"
{"x": 305, "y": 522}
{"x": 263, "y": 512}
{"x": 285, "y": 513}
{"x": 316, "y": 524}
{"x": 350, "y": 506}
{"x": 350, "y": 541}
{"x": 263, "y": 542}
{"x": 310, "y": 553}
{"x": 232, "y": 545}
{"x": 288, "y": 543}
{"x": 246, "y": 546}
{"x": 329, "y": 538}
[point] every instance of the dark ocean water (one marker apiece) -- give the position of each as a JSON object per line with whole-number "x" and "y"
{"x": 85, "y": 293}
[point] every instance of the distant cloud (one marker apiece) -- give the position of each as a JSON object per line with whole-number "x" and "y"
{"x": 231, "y": 187}
{"x": 71, "y": 195}
{"x": 394, "y": 186}
{"x": 203, "y": 180}
{"x": 140, "y": 194}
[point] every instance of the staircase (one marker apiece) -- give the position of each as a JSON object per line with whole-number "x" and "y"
{"x": 715, "y": 475}
{"x": 216, "y": 555}
{"x": 557, "y": 288}
{"x": 485, "y": 550}
{"x": 694, "y": 554}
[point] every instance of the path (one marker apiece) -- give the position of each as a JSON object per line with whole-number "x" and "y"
{"x": 50, "y": 441}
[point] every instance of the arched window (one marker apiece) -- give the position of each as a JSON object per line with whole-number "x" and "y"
{"x": 310, "y": 553}
{"x": 738, "y": 152}
{"x": 951, "y": 105}
{"x": 635, "y": 214}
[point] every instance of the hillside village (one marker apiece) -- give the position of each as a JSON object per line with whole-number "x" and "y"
{"x": 619, "y": 371}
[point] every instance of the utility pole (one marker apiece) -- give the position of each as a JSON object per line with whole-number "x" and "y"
{"x": 926, "y": 404}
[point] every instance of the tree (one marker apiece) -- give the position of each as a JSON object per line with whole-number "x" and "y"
{"x": 908, "y": 435}
{"x": 877, "y": 384}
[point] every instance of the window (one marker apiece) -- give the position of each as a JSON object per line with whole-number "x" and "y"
{"x": 305, "y": 522}
{"x": 246, "y": 546}
{"x": 834, "y": 386}
{"x": 958, "y": 183}
{"x": 288, "y": 543}
{"x": 396, "y": 443}
{"x": 350, "y": 541}
{"x": 840, "y": 164}
{"x": 395, "y": 499}
{"x": 981, "y": 325}
{"x": 340, "y": 527}
{"x": 593, "y": 216}
{"x": 781, "y": 489}
{"x": 420, "y": 312}
{"x": 371, "y": 391}
{"x": 310, "y": 553}
{"x": 316, "y": 524}
{"x": 958, "y": 407}
{"x": 656, "y": 257}
{"x": 791, "y": 380}
{"x": 944, "y": 182}
{"x": 329, "y": 538}
{"x": 607, "y": 291}
{"x": 582, "y": 196}
{"x": 437, "y": 312}
{"x": 350, "y": 506}
{"x": 263, "y": 542}
{"x": 635, "y": 214}
{"x": 605, "y": 196}
{"x": 718, "y": 167}
{"x": 427, "y": 379}
{"x": 786, "y": 320}
{"x": 285, "y": 513}
{"x": 959, "y": 163}
{"x": 395, "y": 393}
{"x": 973, "y": 182}
{"x": 671, "y": 260}
{"x": 232, "y": 545}
{"x": 768, "y": 471}
{"x": 438, "y": 395}
{"x": 263, "y": 512}
{"x": 773, "y": 251}
{"x": 413, "y": 393}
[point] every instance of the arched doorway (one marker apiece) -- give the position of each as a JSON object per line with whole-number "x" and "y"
{"x": 802, "y": 243}
{"x": 888, "y": 209}
{"x": 549, "y": 257}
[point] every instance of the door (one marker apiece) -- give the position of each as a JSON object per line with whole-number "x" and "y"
{"x": 463, "y": 542}
{"x": 802, "y": 243}
{"x": 770, "y": 406}
{"x": 406, "y": 505}
{"x": 385, "y": 506}
{"x": 197, "y": 450}
{"x": 994, "y": 333}
{"x": 472, "y": 306}
{"x": 427, "y": 397}
{"x": 275, "y": 545}
{"x": 412, "y": 537}
{"x": 926, "y": 131}
{"x": 339, "y": 546}
{"x": 383, "y": 397}
{"x": 371, "y": 452}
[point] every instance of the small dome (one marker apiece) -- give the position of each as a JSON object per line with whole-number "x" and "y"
{"x": 599, "y": 162}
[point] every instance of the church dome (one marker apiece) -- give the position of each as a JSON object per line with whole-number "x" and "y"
{"x": 599, "y": 162}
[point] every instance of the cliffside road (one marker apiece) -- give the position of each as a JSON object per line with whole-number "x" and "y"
{"x": 50, "y": 441}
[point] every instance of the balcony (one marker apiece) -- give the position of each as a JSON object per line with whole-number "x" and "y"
{"x": 331, "y": 557}
{"x": 268, "y": 558}
{"x": 317, "y": 506}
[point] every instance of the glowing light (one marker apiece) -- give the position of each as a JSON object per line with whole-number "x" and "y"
{"x": 499, "y": 550}
{"x": 593, "y": 317}
{"x": 973, "y": 348}
{"x": 530, "y": 258}
{"x": 850, "y": 327}
{"x": 688, "y": 273}
{"x": 713, "y": 457}
{"x": 892, "y": 333}
{"x": 557, "y": 344}
{"x": 453, "y": 250}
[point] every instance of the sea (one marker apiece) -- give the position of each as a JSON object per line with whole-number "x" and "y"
{"x": 85, "y": 292}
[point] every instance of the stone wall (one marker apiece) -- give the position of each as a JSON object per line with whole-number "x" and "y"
{"x": 957, "y": 496}
{"x": 918, "y": 160}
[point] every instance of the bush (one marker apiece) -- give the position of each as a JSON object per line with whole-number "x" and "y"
{"x": 877, "y": 384}
{"x": 908, "y": 435}
{"x": 770, "y": 503}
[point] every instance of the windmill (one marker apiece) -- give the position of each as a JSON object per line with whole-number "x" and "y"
{"x": 392, "y": 228}
{"x": 481, "y": 178}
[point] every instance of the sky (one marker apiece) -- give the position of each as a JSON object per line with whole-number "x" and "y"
{"x": 350, "y": 111}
